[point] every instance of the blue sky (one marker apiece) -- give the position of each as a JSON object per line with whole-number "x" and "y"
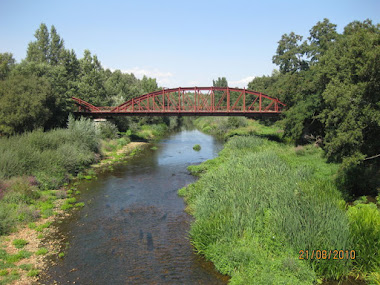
{"x": 181, "y": 43}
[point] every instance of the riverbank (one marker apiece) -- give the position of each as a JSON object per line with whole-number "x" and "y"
{"x": 23, "y": 252}
{"x": 262, "y": 204}
{"x": 28, "y": 206}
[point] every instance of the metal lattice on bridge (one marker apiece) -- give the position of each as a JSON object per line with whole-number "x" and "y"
{"x": 190, "y": 101}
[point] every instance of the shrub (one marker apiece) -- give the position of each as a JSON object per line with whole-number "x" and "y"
{"x": 49, "y": 156}
{"x": 20, "y": 191}
{"x": 236, "y": 122}
{"x": 8, "y": 217}
{"x": 107, "y": 130}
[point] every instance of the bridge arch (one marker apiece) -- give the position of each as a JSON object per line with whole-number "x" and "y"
{"x": 191, "y": 101}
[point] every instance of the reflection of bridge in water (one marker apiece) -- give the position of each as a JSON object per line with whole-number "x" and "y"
{"x": 190, "y": 101}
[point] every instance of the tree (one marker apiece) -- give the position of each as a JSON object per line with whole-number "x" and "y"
{"x": 7, "y": 62}
{"x": 220, "y": 82}
{"x": 38, "y": 50}
{"x": 91, "y": 80}
{"x": 149, "y": 84}
{"x": 23, "y": 104}
{"x": 352, "y": 96}
{"x": 289, "y": 54}
{"x": 322, "y": 35}
{"x": 56, "y": 47}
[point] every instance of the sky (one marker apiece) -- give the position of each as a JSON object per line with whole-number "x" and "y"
{"x": 180, "y": 43}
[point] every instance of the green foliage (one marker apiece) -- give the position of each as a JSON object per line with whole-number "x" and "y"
{"x": 107, "y": 130}
{"x": 79, "y": 205}
{"x": 12, "y": 258}
{"x": 49, "y": 156}
{"x": 4, "y": 272}
{"x": 7, "y": 62}
{"x": 364, "y": 222}
{"x": 61, "y": 255}
{"x": 330, "y": 86}
{"x": 37, "y": 92}
{"x": 220, "y": 82}
{"x": 8, "y": 217}
{"x": 197, "y": 147}
{"x": 24, "y": 103}
{"x": 252, "y": 227}
{"x": 26, "y": 267}
{"x": 41, "y": 227}
{"x": 19, "y": 243}
{"x": 289, "y": 53}
{"x": 33, "y": 273}
{"x": 42, "y": 251}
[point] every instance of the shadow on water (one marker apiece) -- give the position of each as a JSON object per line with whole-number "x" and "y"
{"x": 133, "y": 229}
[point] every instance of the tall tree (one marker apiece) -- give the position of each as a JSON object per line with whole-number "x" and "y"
{"x": 24, "y": 103}
{"x": 290, "y": 53}
{"x": 38, "y": 50}
{"x": 91, "y": 80}
{"x": 56, "y": 47}
{"x": 149, "y": 84}
{"x": 7, "y": 62}
{"x": 322, "y": 35}
{"x": 220, "y": 82}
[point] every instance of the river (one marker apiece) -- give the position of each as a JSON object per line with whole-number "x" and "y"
{"x": 133, "y": 228}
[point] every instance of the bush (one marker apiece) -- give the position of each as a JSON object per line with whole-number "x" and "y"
{"x": 107, "y": 130}
{"x": 50, "y": 156}
{"x": 8, "y": 217}
{"x": 236, "y": 122}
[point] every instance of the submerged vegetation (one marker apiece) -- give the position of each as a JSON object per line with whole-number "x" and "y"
{"x": 261, "y": 202}
{"x": 197, "y": 147}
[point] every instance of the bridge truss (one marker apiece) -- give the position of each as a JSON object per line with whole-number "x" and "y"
{"x": 190, "y": 101}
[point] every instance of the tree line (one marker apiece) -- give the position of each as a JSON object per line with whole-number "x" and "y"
{"x": 331, "y": 85}
{"x": 36, "y": 93}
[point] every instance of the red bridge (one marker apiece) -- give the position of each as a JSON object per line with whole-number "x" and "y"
{"x": 190, "y": 101}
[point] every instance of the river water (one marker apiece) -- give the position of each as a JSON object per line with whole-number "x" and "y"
{"x": 133, "y": 228}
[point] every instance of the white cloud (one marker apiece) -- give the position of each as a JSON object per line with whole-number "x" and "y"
{"x": 193, "y": 83}
{"x": 163, "y": 78}
{"x": 242, "y": 82}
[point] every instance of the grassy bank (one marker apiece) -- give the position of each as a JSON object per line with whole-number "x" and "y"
{"x": 33, "y": 166}
{"x": 260, "y": 202}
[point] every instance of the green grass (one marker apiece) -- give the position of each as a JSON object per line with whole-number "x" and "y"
{"x": 19, "y": 243}
{"x": 42, "y": 251}
{"x": 33, "y": 273}
{"x": 41, "y": 227}
{"x": 26, "y": 267}
{"x": 12, "y": 258}
{"x": 4, "y": 272}
{"x": 260, "y": 202}
{"x": 9, "y": 278}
